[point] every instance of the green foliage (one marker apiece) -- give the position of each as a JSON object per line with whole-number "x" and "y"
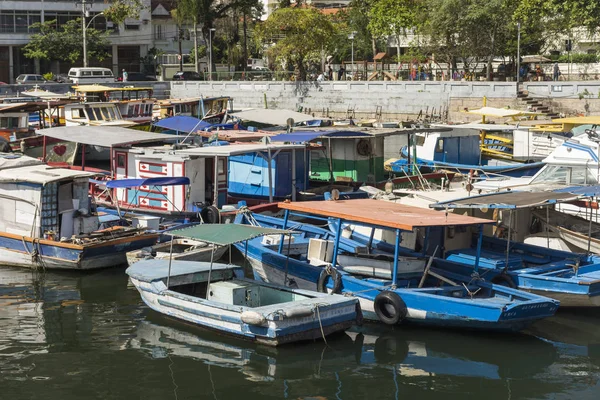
{"x": 394, "y": 17}
{"x": 295, "y": 36}
{"x": 65, "y": 44}
{"x": 48, "y": 76}
{"x": 119, "y": 10}
{"x": 202, "y": 52}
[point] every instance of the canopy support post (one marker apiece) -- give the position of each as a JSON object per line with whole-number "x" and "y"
{"x": 371, "y": 236}
{"x": 170, "y": 259}
{"x": 479, "y": 243}
{"x": 270, "y": 175}
{"x": 396, "y": 255}
{"x": 293, "y": 175}
{"x": 286, "y": 215}
{"x": 287, "y": 260}
{"x": 44, "y": 144}
{"x": 508, "y": 238}
{"x": 331, "y": 180}
{"x": 306, "y": 169}
{"x": 216, "y": 183}
{"x": 336, "y": 243}
{"x": 212, "y": 258}
{"x": 547, "y": 226}
{"x": 590, "y": 226}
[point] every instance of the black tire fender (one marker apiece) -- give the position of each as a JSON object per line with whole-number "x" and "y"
{"x": 390, "y": 308}
{"x": 337, "y": 280}
{"x": 504, "y": 280}
{"x": 211, "y": 215}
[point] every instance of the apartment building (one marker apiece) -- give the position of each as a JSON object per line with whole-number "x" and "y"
{"x": 129, "y": 41}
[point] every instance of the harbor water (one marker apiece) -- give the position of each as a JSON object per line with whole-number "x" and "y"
{"x": 66, "y": 335}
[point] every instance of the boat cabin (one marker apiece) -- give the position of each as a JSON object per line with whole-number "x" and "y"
{"x": 135, "y": 103}
{"x": 213, "y": 110}
{"x": 339, "y": 155}
{"x": 97, "y": 114}
{"x": 40, "y": 201}
{"x": 218, "y": 175}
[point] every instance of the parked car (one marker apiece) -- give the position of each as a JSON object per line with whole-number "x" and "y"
{"x": 30, "y": 79}
{"x": 137, "y": 77}
{"x": 62, "y": 78}
{"x": 187, "y": 76}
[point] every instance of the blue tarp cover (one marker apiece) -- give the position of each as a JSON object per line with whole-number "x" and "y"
{"x": 130, "y": 183}
{"x": 183, "y": 123}
{"x": 581, "y": 190}
{"x": 307, "y": 136}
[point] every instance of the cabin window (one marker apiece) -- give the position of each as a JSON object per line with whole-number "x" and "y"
{"x": 111, "y": 113}
{"x": 90, "y": 114}
{"x": 419, "y": 140}
{"x": 120, "y": 160}
{"x": 107, "y": 73}
{"x": 105, "y": 113}
{"x": 553, "y": 174}
{"x": 77, "y": 113}
{"x": 439, "y": 146}
{"x": 86, "y": 73}
{"x": 582, "y": 176}
{"x": 97, "y": 73}
{"x": 9, "y": 122}
{"x": 221, "y": 168}
{"x": 98, "y": 114}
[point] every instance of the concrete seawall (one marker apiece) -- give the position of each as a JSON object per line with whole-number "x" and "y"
{"x": 397, "y": 100}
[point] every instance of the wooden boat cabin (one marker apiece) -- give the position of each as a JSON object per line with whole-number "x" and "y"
{"x": 135, "y": 103}
{"x": 212, "y": 110}
{"x": 218, "y": 175}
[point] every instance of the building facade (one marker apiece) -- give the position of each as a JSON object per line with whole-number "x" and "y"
{"x": 129, "y": 41}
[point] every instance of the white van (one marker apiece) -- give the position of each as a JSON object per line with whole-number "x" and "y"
{"x": 82, "y": 76}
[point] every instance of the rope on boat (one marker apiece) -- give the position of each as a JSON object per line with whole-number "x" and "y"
{"x": 320, "y": 323}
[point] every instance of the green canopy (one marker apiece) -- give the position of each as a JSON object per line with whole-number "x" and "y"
{"x": 225, "y": 234}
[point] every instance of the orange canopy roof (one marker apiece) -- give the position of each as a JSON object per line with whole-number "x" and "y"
{"x": 382, "y": 213}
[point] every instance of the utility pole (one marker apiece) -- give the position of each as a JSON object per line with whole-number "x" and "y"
{"x": 518, "y": 55}
{"x": 84, "y": 3}
{"x": 180, "y": 36}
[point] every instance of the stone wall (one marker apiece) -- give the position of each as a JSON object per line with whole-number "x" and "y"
{"x": 397, "y": 100}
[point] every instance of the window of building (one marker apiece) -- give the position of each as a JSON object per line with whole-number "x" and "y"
{"x": 21, "y": 24}
{"x": 7, "y": 21}
{"x": 159, "y": 32}
{"x": 132, "y": 27}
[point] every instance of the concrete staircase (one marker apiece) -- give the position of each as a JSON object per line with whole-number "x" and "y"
{"x": 535, "y": 104}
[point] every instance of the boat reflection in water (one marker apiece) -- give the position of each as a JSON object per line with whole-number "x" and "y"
{"x": 71, "y": 336}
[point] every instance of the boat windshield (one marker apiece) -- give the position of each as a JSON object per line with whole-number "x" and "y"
{"x": 558, "y": 174}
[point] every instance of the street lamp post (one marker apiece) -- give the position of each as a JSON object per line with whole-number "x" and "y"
{"x": 84, "y": 28}
{"x": 518, "y": 55}
{"x": 210, "y": 31}
{"x": 351, "y": 37}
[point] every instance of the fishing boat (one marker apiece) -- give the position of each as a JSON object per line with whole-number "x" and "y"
{"x": 213, "y": 110}
{"x": 456, "y": 148}
{"x": 47, "y": 221}
{"x": 219, "y": 297}
{"x": 184, "y": 249}
{"x": 571, "y": 278}
{"x": 135, "y": 104}
{"x": 391, "y": 289}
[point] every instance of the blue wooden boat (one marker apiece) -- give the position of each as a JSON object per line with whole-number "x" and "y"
{"x": 48, "y": 222}
{"x": 456, "y": 150}
{"x": 391, "y": 289}
{"x": 572, "y": 278}
{"x": 219, "y": 297}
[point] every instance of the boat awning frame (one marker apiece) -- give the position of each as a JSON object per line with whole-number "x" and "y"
{"x": 307, "y": 136}
{"x": 103, "y": 136}
{"x": 225, "y": 234}
{"x": 379, "y": 213}
{"x": 183, "y": 123}
{"x": 132, "y": 183}
{"x": 584, "y": 191}
{"x": 511, "y": 200}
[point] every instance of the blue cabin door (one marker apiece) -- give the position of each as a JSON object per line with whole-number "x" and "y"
{"x": 282, "y": 184}
{"x": 452, "y": 150}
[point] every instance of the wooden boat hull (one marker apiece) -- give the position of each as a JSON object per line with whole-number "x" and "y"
{"x": 162, "y": 253}
{"x": 303, "y": 316}
{"x": 40, "y": 253}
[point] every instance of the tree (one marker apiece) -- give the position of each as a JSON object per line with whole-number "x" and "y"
{"x": 353, "y": 19}
{"x": 65, "y": 43}
{"x": 394, "y": 18}
{"x": 295, "y": 35}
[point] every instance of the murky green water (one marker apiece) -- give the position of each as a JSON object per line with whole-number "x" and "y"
{"x": 88, "y": 336}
